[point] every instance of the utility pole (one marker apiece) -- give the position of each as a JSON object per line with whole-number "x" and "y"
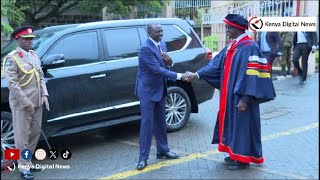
{"x": 202, "y": 27}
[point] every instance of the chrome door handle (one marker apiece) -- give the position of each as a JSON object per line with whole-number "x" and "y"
{"x": 98, "y": 76}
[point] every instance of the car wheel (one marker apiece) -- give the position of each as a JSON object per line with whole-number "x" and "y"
{"x": 178, "y": 108}
{"x": 7, "y": 138}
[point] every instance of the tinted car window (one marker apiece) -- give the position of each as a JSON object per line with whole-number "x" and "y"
{"x": 173, "y": 37}
{"x": 78, "y": 49}
{"x": 143, "y": 34}
{"x": 39, "y": 41}
{"x": 122, "y": 43}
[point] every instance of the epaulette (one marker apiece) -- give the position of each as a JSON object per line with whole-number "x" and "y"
{"x": 32, "y": 51}
{"x": 12, "y": 53}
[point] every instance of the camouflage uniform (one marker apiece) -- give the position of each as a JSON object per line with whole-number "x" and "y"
{"x": 287, "y": 38}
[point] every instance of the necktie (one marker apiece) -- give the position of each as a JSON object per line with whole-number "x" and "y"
{"x": 159, "y": 47}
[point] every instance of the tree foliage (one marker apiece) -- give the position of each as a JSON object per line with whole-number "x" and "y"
{"x": 120, "y": 7}
{"x": 13, "y": 13}
{"x": 37, "y": 11}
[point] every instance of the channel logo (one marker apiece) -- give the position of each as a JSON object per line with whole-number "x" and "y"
{"x": 9, "y": 166}
{"x": 26, "y": 154}
{"x": 40, "y": 154}
{"x": 255, "y": 23}
{"x": 11, "y": 154}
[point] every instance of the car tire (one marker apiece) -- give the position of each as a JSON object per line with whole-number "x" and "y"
{"x": 178, "y": 108}
{"x": 7, "y": 135}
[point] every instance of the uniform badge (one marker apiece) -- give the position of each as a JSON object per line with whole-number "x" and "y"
{"x": 8, "y": 63}
{"x": 20, "y": 54}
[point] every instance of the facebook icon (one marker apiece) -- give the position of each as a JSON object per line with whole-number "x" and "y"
{"x": 26, "y": 154}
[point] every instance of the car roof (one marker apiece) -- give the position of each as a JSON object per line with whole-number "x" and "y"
{"x": 116, "y": 23}
{"x": 71, "y": 28}
{"x": 55, "y": 28}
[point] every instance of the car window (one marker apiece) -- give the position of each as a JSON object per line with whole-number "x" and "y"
{"x": 173, "y": 37}
{"x": 122, "y": 43}
{"x": 81, "y": 48}
{"x": 143, "y": 34}
{"x": 42, "y": 36}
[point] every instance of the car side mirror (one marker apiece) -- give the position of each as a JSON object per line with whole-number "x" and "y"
{"x": 53, "y": 61}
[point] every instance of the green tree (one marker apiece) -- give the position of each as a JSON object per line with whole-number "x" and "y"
{"x": 211, "y": 42}
{"x": 40, "y": 10}
{"x": 13, "y": 13}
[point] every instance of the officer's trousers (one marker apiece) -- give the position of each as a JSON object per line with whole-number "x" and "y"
{"x": 27, "y": 131}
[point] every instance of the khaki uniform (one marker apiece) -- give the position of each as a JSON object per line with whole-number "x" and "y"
{"x": 26, "y": 84}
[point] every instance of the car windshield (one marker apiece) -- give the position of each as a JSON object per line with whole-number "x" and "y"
{"x": 42, "y": 36}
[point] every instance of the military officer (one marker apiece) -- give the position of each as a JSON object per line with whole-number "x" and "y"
{"x": 28, "y": 92}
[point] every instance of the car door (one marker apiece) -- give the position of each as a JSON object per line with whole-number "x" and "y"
{"x": 122, "y": 46}
{"x": 78, "y": 92}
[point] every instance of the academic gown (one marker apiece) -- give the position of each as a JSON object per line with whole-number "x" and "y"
{"x": 239, "y": 71}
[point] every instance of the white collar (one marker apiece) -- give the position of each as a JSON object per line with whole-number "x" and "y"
{"x": 240, "y": 37}
{"x": 154, "y": 42}
{"x": 23, "y": 51}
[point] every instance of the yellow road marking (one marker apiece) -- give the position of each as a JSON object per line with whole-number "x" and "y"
{"x": 162, "y": 164}
{"x": 194, "y": 156}
{"x": 291, "y": 131}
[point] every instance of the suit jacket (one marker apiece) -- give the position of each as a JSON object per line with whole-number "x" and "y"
{"x": 274, "y": 41}
{"x": 311, "y": 39}
{"x": 152, "y": 73}
{"x": 23, "y": 96}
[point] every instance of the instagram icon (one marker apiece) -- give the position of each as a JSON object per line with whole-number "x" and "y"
{"x": 40, "y": 154}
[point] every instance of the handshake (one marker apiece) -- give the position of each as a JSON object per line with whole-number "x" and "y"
{"x": 189, "y": 76}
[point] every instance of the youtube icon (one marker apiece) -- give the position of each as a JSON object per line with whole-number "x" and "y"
{"x": 11, "y": 154}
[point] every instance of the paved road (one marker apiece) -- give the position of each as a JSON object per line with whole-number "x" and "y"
{"x": 290, "y": 130}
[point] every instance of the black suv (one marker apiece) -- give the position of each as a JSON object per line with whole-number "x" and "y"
{"x": 90, "y": 71}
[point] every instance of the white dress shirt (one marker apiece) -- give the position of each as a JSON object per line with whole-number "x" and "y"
{"x": 263, "y": 43}
{"x": 301, "y": 38}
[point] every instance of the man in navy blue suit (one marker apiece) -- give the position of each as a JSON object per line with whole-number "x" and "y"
{"x": 151, "y": 89}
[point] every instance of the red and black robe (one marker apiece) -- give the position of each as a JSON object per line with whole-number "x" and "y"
{"x": 240, "y": 71}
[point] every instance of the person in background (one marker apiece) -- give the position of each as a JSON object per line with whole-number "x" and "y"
{"x": 271, "y": 46}
{"x": 303, "y": 44}
{"x": 287, "y": 39}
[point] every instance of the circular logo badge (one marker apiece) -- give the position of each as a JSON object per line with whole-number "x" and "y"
{"x": 66, "y": 154}
{"x": 255, "y": 23}
{"x": 53, "y": 154}
{"x": 26, "y": 154}
{"x": 9, "y": 166}
{"x": 40, "y": 154}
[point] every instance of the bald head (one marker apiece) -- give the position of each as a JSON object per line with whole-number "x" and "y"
{"x": 155, "y": 32}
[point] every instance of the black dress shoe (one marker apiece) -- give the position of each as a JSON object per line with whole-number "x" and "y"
{"x": 228, "y": 161}
{"x": 236, "y": 165}
{"x": 27, "y": 175}
{"x": 141, "y": 165}
{"x": 167, "y": 155}
{"x": 35, "y": 169}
